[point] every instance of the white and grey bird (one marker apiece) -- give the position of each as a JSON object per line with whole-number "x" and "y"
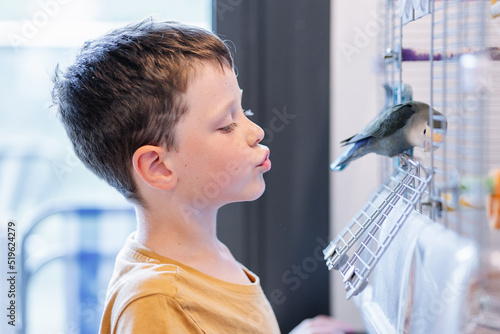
{"x": 396, "y": 130}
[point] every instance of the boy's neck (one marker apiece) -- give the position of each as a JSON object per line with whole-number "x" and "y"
{"x": 192, "y": 242}
{"x": 180, "y": 235}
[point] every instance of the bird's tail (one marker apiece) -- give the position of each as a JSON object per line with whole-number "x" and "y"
{"x": 344, "y": 158}
{"x": 352, "y": 152}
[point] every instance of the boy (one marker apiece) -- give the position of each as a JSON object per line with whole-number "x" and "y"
{"x": 155, "y": 110}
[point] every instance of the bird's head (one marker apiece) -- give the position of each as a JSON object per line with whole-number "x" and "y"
{"x": 434, "y": 141}
{"x": 423, "y": 136}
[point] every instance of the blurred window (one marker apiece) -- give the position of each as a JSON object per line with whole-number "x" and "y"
{"x": 38, "y": 35}
{"x": 38, "y": 168}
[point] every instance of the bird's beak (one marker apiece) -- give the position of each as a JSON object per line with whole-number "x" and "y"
{"x": 427, "y": 146}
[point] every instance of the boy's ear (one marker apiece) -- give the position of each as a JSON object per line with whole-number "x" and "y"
{"x": 151, "y": 165}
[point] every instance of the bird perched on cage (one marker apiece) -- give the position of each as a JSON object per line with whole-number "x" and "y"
{"x": 396, "y": 130}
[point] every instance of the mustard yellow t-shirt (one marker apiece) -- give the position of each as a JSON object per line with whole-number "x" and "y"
{"x": 152, "y": 294}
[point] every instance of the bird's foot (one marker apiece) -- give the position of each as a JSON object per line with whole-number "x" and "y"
{"x": 403, "y": 159}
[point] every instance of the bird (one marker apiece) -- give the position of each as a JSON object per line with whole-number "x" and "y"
{"x": 393, "y": 132}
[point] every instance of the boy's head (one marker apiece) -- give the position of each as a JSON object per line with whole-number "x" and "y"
{"x": 126, "y": 90}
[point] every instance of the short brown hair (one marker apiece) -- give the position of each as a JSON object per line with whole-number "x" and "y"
{"x": 125, "y": 90}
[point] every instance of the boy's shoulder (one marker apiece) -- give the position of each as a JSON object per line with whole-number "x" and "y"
{"x": 136, "y": 276}
{"x": 140, "y": 282}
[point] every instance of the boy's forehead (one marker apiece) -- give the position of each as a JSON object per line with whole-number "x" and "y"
{"x": 213, "y": 87}
{"x": 208, "y": 70}
{"x": 212, "y": 77}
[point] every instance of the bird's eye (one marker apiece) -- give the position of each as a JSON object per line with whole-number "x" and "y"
{"x": 425, "y": 131}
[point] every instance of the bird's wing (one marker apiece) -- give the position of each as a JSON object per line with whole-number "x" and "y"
{"x": 387, "y": 123}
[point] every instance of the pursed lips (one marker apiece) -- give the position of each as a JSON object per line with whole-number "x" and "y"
{"x": 266, "y": 162}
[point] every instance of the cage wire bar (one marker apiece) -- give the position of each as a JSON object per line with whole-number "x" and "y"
{"x": 389, "y": 51}
{"x": 464, "y": 86}
{"x": 457, "y": 46}
{"x": 450, "y": 184}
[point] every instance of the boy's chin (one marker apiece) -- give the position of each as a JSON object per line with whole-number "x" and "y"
{"x": 251, "y": 196}
{"x": 259, "y": 193}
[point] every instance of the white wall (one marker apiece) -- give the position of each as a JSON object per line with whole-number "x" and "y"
{"x": 355, "y": 30}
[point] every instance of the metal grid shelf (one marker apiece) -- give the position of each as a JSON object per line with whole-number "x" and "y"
{"x": 370, "y": 231}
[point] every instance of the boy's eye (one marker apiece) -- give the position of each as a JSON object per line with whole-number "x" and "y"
{"x": 229, "y": 128}
{"x": 248, "y": 113}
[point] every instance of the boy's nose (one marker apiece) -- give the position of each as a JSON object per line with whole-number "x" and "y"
{"x": 256, "y": 134}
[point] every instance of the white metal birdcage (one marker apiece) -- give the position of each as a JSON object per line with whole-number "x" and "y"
{"x": 423, "y": 254}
